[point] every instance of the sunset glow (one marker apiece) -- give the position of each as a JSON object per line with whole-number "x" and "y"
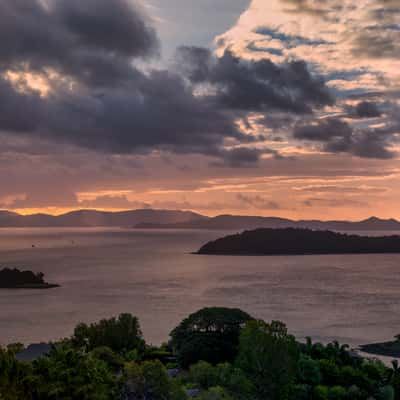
{"x": 291, "y": 109}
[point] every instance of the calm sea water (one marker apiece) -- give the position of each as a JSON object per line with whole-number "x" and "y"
{"x": 103, "y": 272}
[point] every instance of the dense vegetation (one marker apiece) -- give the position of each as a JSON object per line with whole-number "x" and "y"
{"x": 14, "y": 278}
{"x": 261, "y": 361}
{"x": 211, "y": 334}
{"x": 292, "y": 241}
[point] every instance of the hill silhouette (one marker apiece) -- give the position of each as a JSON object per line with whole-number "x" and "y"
{"x": 238, "y": 222}
{"x": 94, "y": 218}
{"x": 292, "y": 241}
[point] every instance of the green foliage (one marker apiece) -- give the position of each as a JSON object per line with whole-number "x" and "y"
{"x": 156, "y": 353}
{"x": 337, "y": 393}
{"x": 320, "y": 392}
{"x": 157, "y": 383}
{"x": 149, "y": 381}
{"x": 232, "y": 379}
{"x": 14, "y": 377}
{"x": 210, "y": 334}
{"x": 204, "y": 374}
{"x": 113, "y": 360}
{"x": 269, "y": 365}
{"x": 269, "y": 355}
{"x": 302, "y": 391}
{"x": 120, "y": 334}
{"x": 309, "y": 371}
{"x": 330, "y": 371}
{"x": 69, "y": 374}
{"x": 216, "y": 393}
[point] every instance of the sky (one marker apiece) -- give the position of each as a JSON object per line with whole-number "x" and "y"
{"x": 288, "y": 108}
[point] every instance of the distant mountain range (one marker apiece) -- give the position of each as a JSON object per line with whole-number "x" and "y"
{"x": 175, "y": 219}
{"x": 237, "y": 223}
{"x": 93, "y": 218}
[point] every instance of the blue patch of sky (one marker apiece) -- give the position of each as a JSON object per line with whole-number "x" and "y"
{"x": 253, "y": 47}
{"x": 393, "y": 27}
{"x": 193, "y": 22}
{"x": 290, "y": 41}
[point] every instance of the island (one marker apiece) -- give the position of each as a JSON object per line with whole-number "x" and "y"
{"x": 17, "y": 279}
{"x": 388, "y": 349}
{"x": 293, "y": 241}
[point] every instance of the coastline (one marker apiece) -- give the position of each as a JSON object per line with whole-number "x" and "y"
{"x": 385, "y": 349}
{"x": 31, "y": 286}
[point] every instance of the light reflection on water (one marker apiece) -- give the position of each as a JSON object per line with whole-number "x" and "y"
{"x": 103, "y": 272}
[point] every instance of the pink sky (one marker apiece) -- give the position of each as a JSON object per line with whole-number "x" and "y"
{"x": 333, "y": 160}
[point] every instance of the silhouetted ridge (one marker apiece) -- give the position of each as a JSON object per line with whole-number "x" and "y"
{"x": 292, "y": 241}
{"x": 94, "y": 218}
{"x": 238, "y": 222}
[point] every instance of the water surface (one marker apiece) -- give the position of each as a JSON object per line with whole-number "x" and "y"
{"x": 103, "y": 272}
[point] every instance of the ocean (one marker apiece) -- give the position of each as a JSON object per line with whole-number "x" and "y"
{"x": 152, "y": 274}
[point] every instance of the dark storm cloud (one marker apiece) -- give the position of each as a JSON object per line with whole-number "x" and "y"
{"x": 239, "y": 157}
{"x": 159, "y": 113}
{"x": 337, "y": 136}
{"x": 255, "y": 85}
{"x": 117, "y": 108}
{"x": 18, "y": 112}
{"x": 93, "y": 40}
{"x": 366, "y": 109}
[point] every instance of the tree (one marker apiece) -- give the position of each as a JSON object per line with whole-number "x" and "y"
{"x": 211, "y": 334}
{"x": 120, "y": 334}
{"x": 337, "y": 393}
{"x": 113, "y": 360}
{"x": 394, "y": 378}
{"x": 204, "y": 374}
{"x": 269, "y": 355}
{"x": 14, "y": 383}
{"x": 320, "y": 392}
{"x": 157, "y": 382}
{"x": 70, "y": 374}
{"x": 150, "y": 381}
{"x": 308, "y": 371}
{"x": 216, "y": 393}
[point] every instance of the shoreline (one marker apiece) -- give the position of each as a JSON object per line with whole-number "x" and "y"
{"x": 384, "y": 349}
{"x": 30, "y": 286}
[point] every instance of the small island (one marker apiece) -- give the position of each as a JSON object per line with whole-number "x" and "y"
{"x": 16, "y": 279}
{"x": 292, "y": 241}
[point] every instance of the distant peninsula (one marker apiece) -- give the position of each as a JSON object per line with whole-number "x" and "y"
{"x": 291, "y": 241}
{"x": 388, "y": 349}
{"x": 16, "y": 279}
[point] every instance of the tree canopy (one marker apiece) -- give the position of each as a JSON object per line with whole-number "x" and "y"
{"x": 104, "y": 361}
{"x": 210, "y": 334}
{"x": 121, "y": 334}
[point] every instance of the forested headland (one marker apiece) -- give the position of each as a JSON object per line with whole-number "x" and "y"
{"x": 293, "y": 241}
